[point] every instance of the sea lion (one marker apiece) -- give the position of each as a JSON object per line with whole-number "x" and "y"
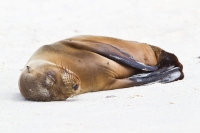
{"x": 94, "y": 63}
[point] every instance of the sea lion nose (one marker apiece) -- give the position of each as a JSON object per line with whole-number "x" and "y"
{"x": 75, "y": 87}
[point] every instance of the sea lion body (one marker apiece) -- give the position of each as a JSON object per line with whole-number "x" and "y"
{"x": 93, "y": 63}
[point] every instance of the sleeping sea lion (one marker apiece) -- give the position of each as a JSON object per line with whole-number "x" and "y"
{"x": 94, "y": 63}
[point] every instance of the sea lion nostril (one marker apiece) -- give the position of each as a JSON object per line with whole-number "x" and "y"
{"x": 28, "y": 68}
{"x": 75, "y": 87}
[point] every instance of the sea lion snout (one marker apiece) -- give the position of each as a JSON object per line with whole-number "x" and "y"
{"x": 75, "y": 87}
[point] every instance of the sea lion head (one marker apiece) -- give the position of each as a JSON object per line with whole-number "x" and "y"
{"x": 44, "y": 81}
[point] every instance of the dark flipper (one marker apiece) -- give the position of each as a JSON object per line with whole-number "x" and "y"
{"x": 164, "y": 75}
{"x": 166, "y": 59}
{"x": 111, "y": 52}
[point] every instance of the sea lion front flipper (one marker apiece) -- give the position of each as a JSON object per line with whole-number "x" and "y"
{"x": 163, "y": 75}
{"x": 110, "y": 51}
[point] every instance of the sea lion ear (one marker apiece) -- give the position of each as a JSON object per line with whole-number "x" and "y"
{"x": 109, "y": 51}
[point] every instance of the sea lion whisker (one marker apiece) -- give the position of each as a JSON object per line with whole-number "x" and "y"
{"x": 62, "y": 67}
{"x": 67, "y": 70}
{"x": 70, "y": 74}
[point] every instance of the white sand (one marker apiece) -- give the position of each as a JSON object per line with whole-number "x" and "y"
{"x": 174, "y": 25}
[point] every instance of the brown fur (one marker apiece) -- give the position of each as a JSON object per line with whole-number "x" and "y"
{"x": 89, "y": 70}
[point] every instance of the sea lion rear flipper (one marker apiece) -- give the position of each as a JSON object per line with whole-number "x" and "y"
{"x": 163, "y": 75}
{"x": 110, "y": 51}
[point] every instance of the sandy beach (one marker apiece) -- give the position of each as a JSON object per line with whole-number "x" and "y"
{"x": 173, "y": 25}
